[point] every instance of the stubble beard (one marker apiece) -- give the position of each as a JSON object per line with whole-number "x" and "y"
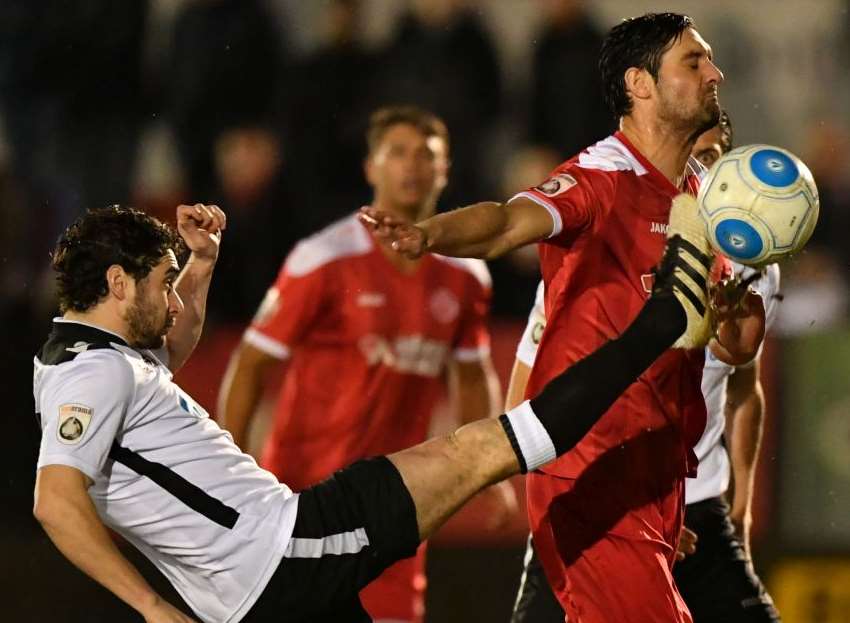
{"x": 709, "y": 118}
{"x": 691, "y": 123}
{"x": 145, "y": 331}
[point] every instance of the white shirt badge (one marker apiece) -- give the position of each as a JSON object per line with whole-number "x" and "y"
{"x": 73, "y": 421}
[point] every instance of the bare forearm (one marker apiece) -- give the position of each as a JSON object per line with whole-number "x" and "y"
{"x": 241, "y": 390}
{"x": 78, "y": 533}
{"x": 475, "y": 391}
{"x": 744, "y": 447}
{"x": 517, "y": 384}
{"x": 480, "y": 230}
{"x": 192, "y": 286}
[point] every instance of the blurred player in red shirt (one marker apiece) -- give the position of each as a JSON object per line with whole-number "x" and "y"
{"x": 607, "y": 515}
{"x": 369, "y": 339}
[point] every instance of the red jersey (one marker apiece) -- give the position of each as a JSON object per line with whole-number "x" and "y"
{"x": 367, "y": 347}
{"x": 611, "y": 207}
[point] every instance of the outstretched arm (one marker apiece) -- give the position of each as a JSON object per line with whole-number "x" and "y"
{"x": 484, "y": 230}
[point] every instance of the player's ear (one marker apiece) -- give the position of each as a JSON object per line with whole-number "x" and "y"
{"x": 369, "y": 169}
{"x": 639, "y": 83}
{"x": 118, "y": 282}
{"x": 443, "y": 171}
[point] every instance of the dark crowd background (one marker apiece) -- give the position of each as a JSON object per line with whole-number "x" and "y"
{"x": 212, "y": 101}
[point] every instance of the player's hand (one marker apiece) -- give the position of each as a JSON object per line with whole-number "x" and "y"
{"x": 502, "y": 504}
{"x": 200, "y": 226}
{"x": 164, "y": 612}
{"x": 687, "y": 543}
{"x": 739, "y": 322}
{"x": 399, "y": 233}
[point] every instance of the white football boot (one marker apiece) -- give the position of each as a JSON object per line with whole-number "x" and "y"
{"x": 685, "y": 269}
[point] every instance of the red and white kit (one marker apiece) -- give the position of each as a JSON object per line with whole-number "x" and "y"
{"x": 367, "y": 347}
{"x": 606, "y": 516}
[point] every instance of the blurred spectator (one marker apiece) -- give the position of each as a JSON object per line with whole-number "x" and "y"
{"x": 815, "y": 283}
{"x": 263, "y": 222}
{"x": 443, "y": 60}
{"x": 226, "y": 69}
{"x": 71, "y": 90}
{"x": 327, "y": 103}
{"x": 567, "y": 109}
{"x": 814, "y": 294}
{"x": 828, "y": 157}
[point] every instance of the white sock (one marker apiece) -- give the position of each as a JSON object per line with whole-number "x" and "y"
{"x": 530, "y": 441}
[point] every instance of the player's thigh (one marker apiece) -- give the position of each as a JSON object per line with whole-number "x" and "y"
{"x": 717, "y": 581}
{"x": 347, "y": 530}
{"x": 535, "y": 602}
{"x": 610, "y": 577}
{"x": 626, "y": 580}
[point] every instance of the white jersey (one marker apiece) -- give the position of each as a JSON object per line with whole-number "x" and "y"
{"x": 166, "y": 477}
{"x": 714, "y": 466}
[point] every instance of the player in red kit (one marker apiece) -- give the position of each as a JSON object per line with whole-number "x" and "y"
{"x": 606, "y": 516}
{"x": 369, "y": 338}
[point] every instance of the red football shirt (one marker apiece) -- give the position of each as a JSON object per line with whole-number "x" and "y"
{"x": 367, "y": 347}
{"x": 610, "y": 207}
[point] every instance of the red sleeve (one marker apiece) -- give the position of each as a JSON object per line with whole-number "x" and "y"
{"x": 473, "y": 336}
{"x": 289, "y": 309}
{"x": 569, "y": 197}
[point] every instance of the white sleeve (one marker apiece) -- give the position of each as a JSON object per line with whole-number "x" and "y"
{"x": 526, "y": 350}
{"x": 82, "y": 407}
{"x": 768, "y": 287}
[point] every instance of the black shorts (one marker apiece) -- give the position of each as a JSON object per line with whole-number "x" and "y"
{"x": 535, "y": 601}
{"x": 717, "y": 582}
{"x": 348, "y": 529}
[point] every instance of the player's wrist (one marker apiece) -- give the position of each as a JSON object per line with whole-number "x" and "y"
{"x": 147, "y": 602}
{"x": 202, "y": 261}
{"x": 427, "y": 233}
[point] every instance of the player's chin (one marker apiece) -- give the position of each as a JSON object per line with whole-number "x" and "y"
{"x": 154, "y": 341}
{"x": 712, "y": 112}
{"x": 410, "y": 199}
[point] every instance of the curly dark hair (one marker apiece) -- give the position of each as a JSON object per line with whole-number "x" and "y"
{"x": 726, "y": 134}
{"x": 101, "y": 238}
{"x": 636, "y": 42}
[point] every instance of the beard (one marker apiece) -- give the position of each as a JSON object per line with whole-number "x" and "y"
{"x": 693, "y": 121}
{"x": 708, "y": 118}
{"x": 147, "y": 330}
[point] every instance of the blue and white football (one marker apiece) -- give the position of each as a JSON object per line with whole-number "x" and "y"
{"x": 760, "y": 204}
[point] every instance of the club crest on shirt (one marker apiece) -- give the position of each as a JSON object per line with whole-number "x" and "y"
{"x": 444, "y": 306}
{"x": 537, "y": 332}
{"x": 556, "y": 185}
{"x": 73, "y": 421}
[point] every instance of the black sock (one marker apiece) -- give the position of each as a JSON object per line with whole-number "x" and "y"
{"x": 571, "y": 403}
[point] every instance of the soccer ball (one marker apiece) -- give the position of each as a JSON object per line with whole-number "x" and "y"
{"x": 760, "y": 204}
